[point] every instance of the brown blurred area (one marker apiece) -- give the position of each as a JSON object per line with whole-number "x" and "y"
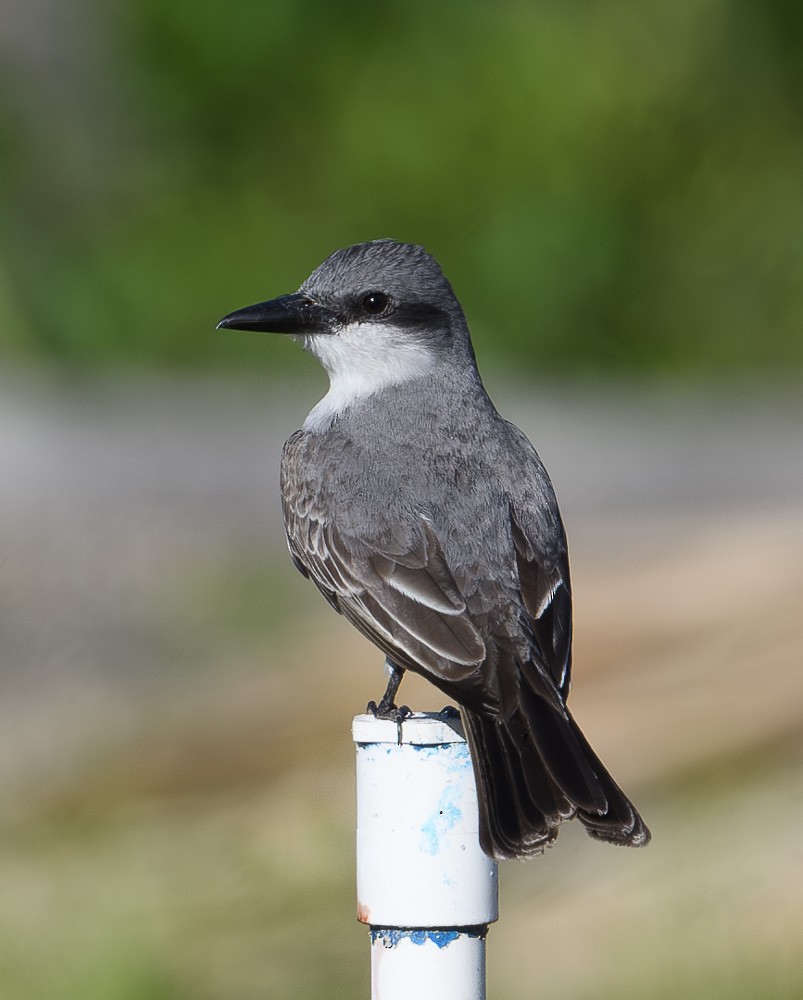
{"x": 175, "y": 757}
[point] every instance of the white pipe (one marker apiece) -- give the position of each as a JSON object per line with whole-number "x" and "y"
{"x": 424, "y": 885}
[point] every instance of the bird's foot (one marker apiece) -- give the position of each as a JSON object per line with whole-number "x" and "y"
{"x": 449, "y": 712}
{"x": 393, "y": 713}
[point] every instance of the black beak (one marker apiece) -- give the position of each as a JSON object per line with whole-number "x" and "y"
{"x": 288, "y": 314}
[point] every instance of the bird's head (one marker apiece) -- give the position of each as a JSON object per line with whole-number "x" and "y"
{"x": 376, "y": 313}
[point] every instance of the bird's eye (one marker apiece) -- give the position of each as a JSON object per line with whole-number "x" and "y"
{"x": 375, "y": 303}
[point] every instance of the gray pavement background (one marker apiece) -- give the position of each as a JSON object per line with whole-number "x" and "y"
{"x": 113, "y": 489}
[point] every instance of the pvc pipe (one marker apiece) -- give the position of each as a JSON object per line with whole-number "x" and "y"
{"x": 424, "y": 885}
{"x": 427, "y": 965}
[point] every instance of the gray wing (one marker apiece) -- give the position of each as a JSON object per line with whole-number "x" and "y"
{"x": 406, "y": 602}
{"x": 546, "y": 592}
{"x": 397, "y": 589}
{"x": 542, "y": 560}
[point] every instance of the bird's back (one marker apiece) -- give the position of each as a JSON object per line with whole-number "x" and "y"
{"x": 444, "y": 456}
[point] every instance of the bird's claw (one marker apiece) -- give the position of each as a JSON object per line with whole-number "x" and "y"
{"x": 391, "y": 712}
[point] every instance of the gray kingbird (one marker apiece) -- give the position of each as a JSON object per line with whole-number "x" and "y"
{"x": 430, "y": 523}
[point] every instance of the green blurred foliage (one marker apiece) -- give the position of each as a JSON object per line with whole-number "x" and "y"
{"x": 607, "y": 185}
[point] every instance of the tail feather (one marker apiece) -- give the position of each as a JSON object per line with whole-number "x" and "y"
{"x": 534, "y": 770}
{"x": 535, "y": 783}
{"x": 500, "y": 824}
{"x": 530, "y": 811}
{"x": 620, "y": 823}
{"x": 563, "y": 756}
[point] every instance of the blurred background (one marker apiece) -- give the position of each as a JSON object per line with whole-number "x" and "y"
{"x": 615, "y": 192}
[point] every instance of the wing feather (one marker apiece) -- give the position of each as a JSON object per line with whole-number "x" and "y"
{"x": 398, "y": 592}
{"x": 546, "y": 592}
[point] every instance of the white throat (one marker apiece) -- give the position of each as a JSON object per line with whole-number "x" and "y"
{"x": 360, "y": 360}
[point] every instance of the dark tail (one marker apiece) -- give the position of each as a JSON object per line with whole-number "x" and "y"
{"x": 534, "y": 770}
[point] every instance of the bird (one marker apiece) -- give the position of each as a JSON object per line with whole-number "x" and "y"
{"x": 430, "y": 523}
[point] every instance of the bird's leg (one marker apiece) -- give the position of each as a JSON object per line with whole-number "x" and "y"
{"x": 387, "y": 708}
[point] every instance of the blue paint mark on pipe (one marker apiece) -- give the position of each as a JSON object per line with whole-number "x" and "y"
{"x": 441, "y": 821}
{"x": 391, "y": 937}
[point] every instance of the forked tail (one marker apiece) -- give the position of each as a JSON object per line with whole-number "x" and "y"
{"x": 534, "y": 771}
